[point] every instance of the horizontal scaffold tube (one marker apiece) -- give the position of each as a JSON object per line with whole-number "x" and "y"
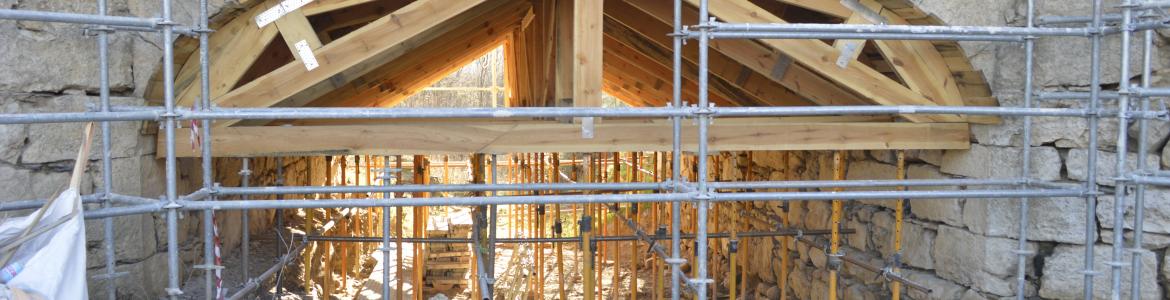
{"x": 57, "y": 17}
{"x": 870, "y": 36}
{"x": 638, "y": 186}
{"x": 151, "y": 113}
{"x": 621, "y": 238}
{"x": 579, "y": 199}
{"x": 899, "y": 29}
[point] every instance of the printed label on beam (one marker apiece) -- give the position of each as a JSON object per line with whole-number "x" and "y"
{"x": 274, "y": 13}
{"x": 305, "y": 53}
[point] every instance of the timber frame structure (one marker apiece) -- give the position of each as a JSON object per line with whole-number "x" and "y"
{"x": 892, "y": 77}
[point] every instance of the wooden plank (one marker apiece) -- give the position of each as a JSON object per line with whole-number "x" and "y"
{"x": 587, "y": 53}
{"x": 921, "y": 66}
{"x": 564, "y": 52}
{"x": 548, "y": 136}
{"x": 294, "y": 27}
{"x": 828, "y": 7}
{"x": 233, "y": 49}
{"x": 323, "y": 6}
{"x": 365, "y": 43}
{"x": 766, "y": 62}
{"x": 393, "y": 82}
{"x": 821, "y": 58}
{"x": 730, "y": 78}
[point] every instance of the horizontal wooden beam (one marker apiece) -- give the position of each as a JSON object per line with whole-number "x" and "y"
{"x": 548, "y": 136}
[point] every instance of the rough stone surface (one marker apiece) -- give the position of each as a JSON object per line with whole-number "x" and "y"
{"x": 1156, "y": 216}
{"x": 1049, "y": 219}
{"x": 1062, "y": 274}
{"x": 916, "y": 245}
{"x": 1106, "y": 165}
{"x": 940, "y": 288}
{"x": 949, "y": 211}
{"x": 56, "y": 57}
{"x": 975, "y": 260}
{"x": 1000, "y": 162}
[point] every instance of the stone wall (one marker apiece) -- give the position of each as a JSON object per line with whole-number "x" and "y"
{"x": 54, "y": 68}
{"x": 963, "y": 248}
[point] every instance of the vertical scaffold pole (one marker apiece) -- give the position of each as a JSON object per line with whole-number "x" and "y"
{"x": 676, "y": 260}
{"x": 1091, "y": 157}
{"x": 1140, "y": 192}
{"x": 702, "y": 281}
{"x": 1119, "y": 194}
{"x": 107, "y": 167}
{"x": 1022, "y": 252}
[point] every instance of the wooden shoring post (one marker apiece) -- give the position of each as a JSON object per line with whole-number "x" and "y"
{"x": 343, "y": 225}
{"x": 478, "y": 176}
{"x": 540, "y": 213}
{"x": 400, "y": 216}
{"x": 584, "y": 228}
{"x": 327, "y": 282}
{"x": 617, "y": 256}
{"x": 737, "y": 207}
{"x": 446, "y": 180}
{"x": 371, "y": 214}
{"x": 558, "y": 228}
{"x": 635, "y": 176}
{"x": 835, "y": 237}
{"x": 733, "y": 244}
{"x": 785, "y": 242}
{"x": 656, "y": 219}
{"x": 309, "y": 226}
{"x": 748, "y": 176}
{"x": 421, "y": 177}
{"x": 899, "y": 216}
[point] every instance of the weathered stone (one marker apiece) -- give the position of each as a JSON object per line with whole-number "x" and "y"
{"x": 1149, "y": 240}
{"x": 1156, "y": 216}
{"x": 61, "y": 141}
{"x": 973, "y": 295}
{"x": 949, "y": 211}
{"x": 1106, "y": 165}
{"x": 1156, "y": 135}
{"x": 12, "y": 137}
{"x": 52, "y": 57}
{"x": 1063, "y": 280}
{"x": 1000, "y": 162}
{"x": 940, "y": 288}
{"x": 1049, "y": 219}
{"x": 917, "y": 241}
{"x": 859, "y": 238}
{"x": 984, "y": 263}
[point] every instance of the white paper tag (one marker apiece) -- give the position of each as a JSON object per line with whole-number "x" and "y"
{"x": 274, "y": 13}
{"x": 587, "y": 128}
{"x": 847, "y": 52}
{"x": 306, "y": 55}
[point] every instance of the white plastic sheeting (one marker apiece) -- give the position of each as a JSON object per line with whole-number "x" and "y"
{"x": 50, "y": 264}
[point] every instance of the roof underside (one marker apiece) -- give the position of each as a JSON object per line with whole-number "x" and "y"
{"x": 377, "y": 53}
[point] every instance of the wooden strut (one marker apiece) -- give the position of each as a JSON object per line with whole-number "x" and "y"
{"x": 421, "y": 176}
{"x": 899, "y": 215}
{"x": 401, "y": 219}
{"x": 617, "y": 257}
{"x": 785, "y": 242}
{"x": 635, "y": 176}
{"x": 559, "y": 228}
{"x": 310, "y": 226}
{"x": 344, "y": 227}
{"x": 731, "y": 276}
{"x": 655, "y": 219}
{"x": 835, "y": 237}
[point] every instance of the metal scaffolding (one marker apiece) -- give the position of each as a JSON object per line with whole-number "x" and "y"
{"x": 1136, "y": 16}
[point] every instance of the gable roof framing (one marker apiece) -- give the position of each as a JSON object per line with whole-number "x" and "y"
{"x": 367, "y": 59}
